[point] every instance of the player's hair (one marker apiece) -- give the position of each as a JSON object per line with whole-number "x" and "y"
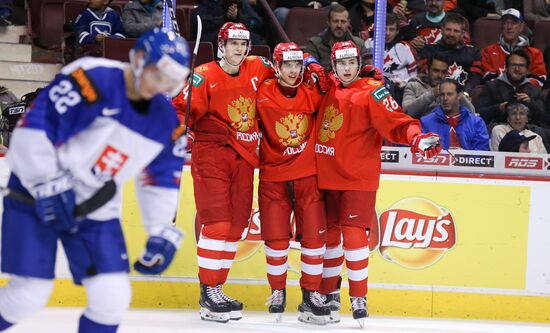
{"x": 458, "y": 86}
{"x": 454, "y": 18}
{"x": 438, "y": 58}
{"x": 391, "y": 19}
{"x": 520, "y": 53}
{"x": 336, "y": 8}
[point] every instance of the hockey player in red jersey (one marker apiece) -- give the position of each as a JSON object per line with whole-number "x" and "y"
{"x": 355, "y": 116}
{"x": 223, "y": 119}
{"x": 288, "y": 182}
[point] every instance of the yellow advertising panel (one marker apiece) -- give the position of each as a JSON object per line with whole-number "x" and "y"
{"x": 431, "y": 233}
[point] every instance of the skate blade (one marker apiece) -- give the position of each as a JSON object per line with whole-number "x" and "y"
{"x": 334, "y": 317}
{"x": 219, "y": 317}
{"x": 310, "y": 318}
{"x": 361, "y": 322}
{"x": 278, "y": 317}
{"x": 235, "y": 315}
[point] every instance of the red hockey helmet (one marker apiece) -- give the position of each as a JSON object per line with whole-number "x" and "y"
{"x": 287, "y": 52}
{"x": 343, "y": 50}
{"x": 232, "y": 30}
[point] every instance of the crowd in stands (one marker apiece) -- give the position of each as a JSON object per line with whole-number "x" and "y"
{"x": 470, "y": 96}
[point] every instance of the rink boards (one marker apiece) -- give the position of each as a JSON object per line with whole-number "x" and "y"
{"x": 445, "y": 245}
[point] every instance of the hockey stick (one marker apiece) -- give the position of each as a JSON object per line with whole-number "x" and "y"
{"x": 169, "y": 5}
{"x": 191, "y": 76}
{"x": 96, "y": 201}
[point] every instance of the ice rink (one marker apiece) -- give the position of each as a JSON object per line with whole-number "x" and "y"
{"x": 64, "y": 320}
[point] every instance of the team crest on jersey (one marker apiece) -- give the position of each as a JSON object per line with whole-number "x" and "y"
{"x": 242, "y": 112}
{"x": 457, "y": 73}
{"x": 197, "y": 79}
{"x": 332, "y": 121}
{"x": 291, "y": 129}
{"x": 85, "y": 85}
{"x": 109, "y": 163}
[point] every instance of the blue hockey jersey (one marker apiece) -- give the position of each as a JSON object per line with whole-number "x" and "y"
{"x": 84, "y": 123}
{"x": 89, "y": 24}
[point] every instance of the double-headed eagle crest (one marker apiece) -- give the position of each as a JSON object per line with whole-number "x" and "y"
{"x": 291, "y": 129}
{"x": 242, "y": 112}
{"x": 332, "y": 121}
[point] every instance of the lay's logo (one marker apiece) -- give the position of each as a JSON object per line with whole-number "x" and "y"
{"x": 415, "y": 233}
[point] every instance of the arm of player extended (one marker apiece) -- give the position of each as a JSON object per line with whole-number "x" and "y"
{"x": 157, "y": 187}
{"x": 54, "y": 117}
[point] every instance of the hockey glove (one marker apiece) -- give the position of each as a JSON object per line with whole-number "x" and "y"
{"x": 371, "y": 71}
{"x": 426, "y": 145}
{"x": 314, "y": 72}
{"x": 159, "y": 251}
{"x": 55, "y": 202}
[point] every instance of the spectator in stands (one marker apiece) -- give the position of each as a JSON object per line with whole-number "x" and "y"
{"x": 98, "y": 22}
{"x": 427, "y": 26}
{"x": 518, "y": 117}
{"x": 516, "y": 142}
{"x": 361, "y": 15}
{"x": 6, "y": 97}
{"x": 215, "y": 13}
{"x": 320, "y": 46}
{"x": 283, "y": 7}
{"x": 536, "y": 10}
{"x": 421, "y": 92}
{"x": 399, "y": 61}
{"x": 139, "y": 16}
{"x": 6, "y": 9}
{"x": 457, "y": 127}
{"x": 493, "y": 57}
{"x": 512, "y": 85}
{"x": 465, "y": 59}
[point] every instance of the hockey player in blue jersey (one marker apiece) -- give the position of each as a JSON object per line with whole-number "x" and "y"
{"x": 99, "y": 120}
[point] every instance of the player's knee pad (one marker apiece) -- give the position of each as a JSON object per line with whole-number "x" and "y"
{"x": 109, "y": 297}
{"x": 354, "y": 237}
{"x": 24, "y": 296}
{"x": 334, "y": 236}
{"x": 217, "y": 230}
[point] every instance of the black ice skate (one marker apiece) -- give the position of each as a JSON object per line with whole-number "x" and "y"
{"x": 277, "y": 303}
{"x": 360, "y": 310}
{"x": 213, "y": 306}
{"x": 332, "y": 301}
{"x": 236, "y": 306}
{"x": 313, "y": 309}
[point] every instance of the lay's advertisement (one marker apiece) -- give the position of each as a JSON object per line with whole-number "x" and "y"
{"x": 428, "y": 233}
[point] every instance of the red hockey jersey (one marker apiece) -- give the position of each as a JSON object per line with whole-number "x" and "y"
{"x": 229, "y": 100}
{"x": 288, "y": 135}
{"x": 351, "y": 126}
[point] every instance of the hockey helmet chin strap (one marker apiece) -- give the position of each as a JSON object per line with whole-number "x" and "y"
{"x": 294, "y": 55}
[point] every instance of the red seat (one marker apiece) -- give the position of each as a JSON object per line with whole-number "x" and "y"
{"x": 183, "y": 17}
{"x": 72, "y": 9}
{"x": 186, "y": 3}
{"x": 541, "y": 39}
{"x": 118, "y": 48}
{"x": 261, "y": 50}
{"x": 303, "y": 23}
{"x": 47, "y": 24}
{"x": 205, "y": 52}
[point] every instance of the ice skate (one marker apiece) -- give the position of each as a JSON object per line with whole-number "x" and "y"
{"x": 213, "y": 306}
{"x": 236, "y": 306}
{"x": 359, "y": 308}
{"x": 313, "y": 309}
{"x": 332, "y": 301}
{"x": 277, "y": 303}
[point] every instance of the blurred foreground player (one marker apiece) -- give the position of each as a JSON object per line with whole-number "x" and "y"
{"x": 100, "y": 121}
{"x": 355, "y": 116}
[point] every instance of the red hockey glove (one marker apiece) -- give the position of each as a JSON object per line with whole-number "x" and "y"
{"x": 426, "y": 145}
{"x": 314, "y": 72}
{"x": 371, "y": 71}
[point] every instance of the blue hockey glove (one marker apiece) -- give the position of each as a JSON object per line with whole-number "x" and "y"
{"x": 55, "y": 202}
{"x": 159, "y": 251}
